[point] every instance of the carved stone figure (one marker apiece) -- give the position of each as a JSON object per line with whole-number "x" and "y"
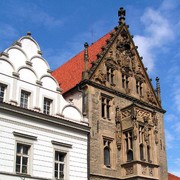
{"x": 101, "y": 77}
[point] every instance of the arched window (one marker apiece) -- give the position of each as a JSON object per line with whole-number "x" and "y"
{"x": 107, "y": 153}
{"x": 141, "y": 152}
{"x": 107, "y": 156}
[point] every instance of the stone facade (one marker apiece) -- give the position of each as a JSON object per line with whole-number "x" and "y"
{"x": 124, "y": 111}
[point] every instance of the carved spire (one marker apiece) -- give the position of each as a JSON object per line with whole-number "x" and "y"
{"x": 158, "y": 90}
{"x": 121, "y": 14}
{"x": 86, "y": 59}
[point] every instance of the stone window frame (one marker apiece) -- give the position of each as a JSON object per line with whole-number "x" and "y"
{"x": 62, "y": 148}
{"x": 146, "y": 147}
{"x": 24, "y": 140}
{"x": 106, "y": 106}
{"x": 110, "y": 75}
{"x": 125, "y": 81}
{"x": 128, "y": 138}
{"x": 107, "y": 145}
{"x": 139, "y": 87}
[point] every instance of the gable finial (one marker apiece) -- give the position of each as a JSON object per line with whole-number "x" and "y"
{"x": 121, "y": 14}
{"x": 86, "y": 59}
{"x": 158, "y": 90}
{"x": 28, "y": 33}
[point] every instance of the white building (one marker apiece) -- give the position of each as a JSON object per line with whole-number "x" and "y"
{"x": 41, "y": 135}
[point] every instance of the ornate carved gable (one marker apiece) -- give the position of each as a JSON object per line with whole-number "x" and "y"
{"x": 118, "y": 66}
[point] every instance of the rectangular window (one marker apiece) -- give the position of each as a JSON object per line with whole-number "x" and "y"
{"x": 47, "y": 106}
{"x": 125, "y": 81}
{"x": 2, "y": 92}
{"x": 24, "y": 99}
{"x": 105, "y": 107}
{"x": 60, "y": 165}
{"x": 110, "y": 75}
{"x": 139, "y": 87}
{"x": 22, "y": 158}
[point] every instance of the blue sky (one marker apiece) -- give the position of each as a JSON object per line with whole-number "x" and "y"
{"x": 62, "y": 26}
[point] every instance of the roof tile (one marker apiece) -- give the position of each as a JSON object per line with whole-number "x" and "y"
{"x": 70, "y": 74}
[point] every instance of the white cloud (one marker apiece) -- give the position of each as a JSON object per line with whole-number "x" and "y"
{"x": 169, "y": 139}
{"x": 158, "y": 33}
{"x": 171, "y": 118}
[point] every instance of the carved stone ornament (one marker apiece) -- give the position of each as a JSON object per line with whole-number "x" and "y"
{"x": 150, "y": 171}
{"x": 134, "y": 122}
{"x": 150, "y": 97}
{"x": 142, "y": 113}
{"x": 100, "y": 77}
{"x": 118, "y": 128}
{"x": 129, "y": 170}
{"x": 126, "y": 113}
{"x": 139, "y": 74}
{"x": 146, "y": 129}
{"x": 156, "y": 135}
{"x": 144, "y": 170}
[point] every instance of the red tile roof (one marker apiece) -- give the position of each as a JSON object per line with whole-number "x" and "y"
{"x": 172, "y": 177}
{"x": 70, "y": 74}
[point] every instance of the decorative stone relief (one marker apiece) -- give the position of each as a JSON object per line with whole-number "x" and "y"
{"x": 135, "y": 123}
{"x": 129, "y": 170}
{"x": 118, "y": 128}
{"x": 150, "y": 171}
{"x": 126, "y": 113}
{"x": 100, "y": 77}
{"x": 150, "y": 97}
{"x": 142, "y": 113}
{"x": 144, "y": 170}
{"x": 146, "y": 129}
{"x": 155, "y": 123}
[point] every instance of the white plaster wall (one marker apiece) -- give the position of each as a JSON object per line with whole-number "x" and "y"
{"x": 77, "y": 99}
{"x": 42, "y": 162}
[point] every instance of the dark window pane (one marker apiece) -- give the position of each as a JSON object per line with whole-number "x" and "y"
{"x": 19, "y": 147}
{"x": 18, "y": 159}
{"x": 129, "y": 155}
{"x": 24, "y": 169}
{"x": 18, "y": 168}
{"x": 106, "y": 156}
{"x": 141, "y": 153}
{"x": 25, "y": 149}
{"x": 56, "y": 166}
{"x": 56, "y": 174}
{"x": 25, "y": 161}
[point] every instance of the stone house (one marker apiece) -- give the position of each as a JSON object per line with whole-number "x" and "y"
{"x": 110, "y": 84}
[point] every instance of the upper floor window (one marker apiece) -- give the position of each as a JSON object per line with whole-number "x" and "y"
{"x": 59, "y": 165}
{"x": 47, "y": 106}
{"x": 107, "y": 152}
{"x": 110, "y": 75}
{"x": 129, "y": 145}
{"x": 125, "y": 81}
{"x": 2, "y": 92}
{"x": 105, "y": 107}
{"x": 139, "y": 87}
{"x": 22, "y": 158}
{"x": 61, "y": 160}
{"x": 24, "y": 99}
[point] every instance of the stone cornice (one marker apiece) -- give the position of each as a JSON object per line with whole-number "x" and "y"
{"x": 117, "y": 93}
{"x": 57, "y": 121}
